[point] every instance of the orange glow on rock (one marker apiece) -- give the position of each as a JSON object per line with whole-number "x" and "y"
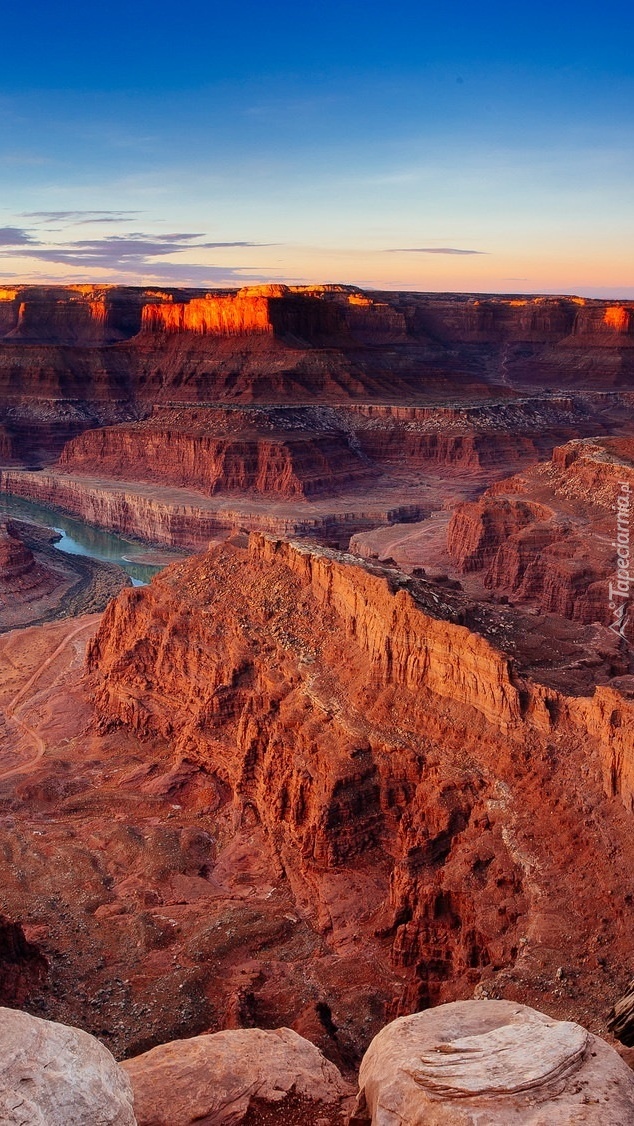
{"x": 89, "y": 290}
{"x": 359, "y": 299}
{"x": 618, "y": 318}
{"x": 211, "y": 316}
{"x": 98, "y": 311}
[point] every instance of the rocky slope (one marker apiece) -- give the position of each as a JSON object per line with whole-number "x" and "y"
{"x": 395, "y": 760}
{"x": 552, "y": 536}
{"x": 22, "y": 579}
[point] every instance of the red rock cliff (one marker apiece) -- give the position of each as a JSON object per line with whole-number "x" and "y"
{"x": 549, "y": 535}
{"x": 365, "y": 733}
{"x": 210, "y": 316}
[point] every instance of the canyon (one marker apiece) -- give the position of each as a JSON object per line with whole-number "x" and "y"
{"x": 369, "y": 750}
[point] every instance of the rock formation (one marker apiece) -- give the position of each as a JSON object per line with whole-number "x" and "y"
{"x": 495, "y": 1062}
{"x": 193, "y": 450}
{"x": 238, "y": 1076}
{"x": 210, "y": 316}
{"x": 552, "y": 535}
{"x": 78, "y": 356}
{"x": 369, "y": 458}
{"x": 22, "y": 579}
{"x": 340, "y": 704}
{"x": 621, "y": 1019}
{"x": 315, "y": 792}
{"x": 52, "y": 1075}
{"x": 22, "y": 966}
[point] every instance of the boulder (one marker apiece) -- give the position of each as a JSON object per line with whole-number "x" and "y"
{"x": 244, "y": 1075}
{"x": 621, "y": 1019}
{"x": 472, "y": 1062}
{"x": 53, "y": 1075}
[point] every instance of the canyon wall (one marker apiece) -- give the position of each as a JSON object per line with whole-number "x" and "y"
{"x": 368, "y": 735}
{"x": 189, "y": 519}
{"x": 210, "y": 316}
{"x": 549, "y": 534}
{"x": 84, "y": 344}
{"x": 285, "y": 465}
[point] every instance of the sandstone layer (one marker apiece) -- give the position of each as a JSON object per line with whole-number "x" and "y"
{"x": 238, "y": 1076}
{"x": 79, "y": 356}
{"x": 395, "y": 763}
{"x": 557, "y": 535}
{"x": 495, "y": 1062}
{"x": 52, "y": 1075}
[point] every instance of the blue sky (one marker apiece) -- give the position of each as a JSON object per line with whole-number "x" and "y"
{"x": 455, "y": 146}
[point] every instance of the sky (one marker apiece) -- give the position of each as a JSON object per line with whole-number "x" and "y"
{"x": 447, "y": 146}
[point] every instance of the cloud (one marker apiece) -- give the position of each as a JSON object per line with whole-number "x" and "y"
{"x": 80, "y": 216}
{"x": 431, "y": 250}
{"x": 136, "y": 256}
{"x": 15, "y": 236}
{"x": 124, "y": 253}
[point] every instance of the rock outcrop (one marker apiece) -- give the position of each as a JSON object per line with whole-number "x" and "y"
{"x": 22, "y": 966}
{"x": 187, "y": 453}
{"x": 558, "y": 534}
{"x": 78, "y": 356}
{"x": 491, "y": 1061}
{"x": 52, "y": 1075}
{"x": 621, "y": 1019}
{"x": 237, "y": 1076}
{"x": 335, "y": 704}
{"x": 22, "y": 579}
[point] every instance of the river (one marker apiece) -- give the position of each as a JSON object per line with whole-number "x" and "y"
{"x": 77, "y": 538}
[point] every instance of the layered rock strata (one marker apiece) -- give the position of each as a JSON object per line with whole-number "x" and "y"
{"x": 365, "y": 733}
{"x": 493, "y": 1062}
{"x": 70, "y": 354}
{"x": 183, "y": 518}
{"x": 188, "y": 456}
{"x": 557, "y": 535}
{"x": 22, "y": 579}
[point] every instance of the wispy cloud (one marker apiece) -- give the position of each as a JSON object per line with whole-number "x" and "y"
{"x": 15, "y": 236}
{"x": 81, "y": 216}
{"x": 134, "y": 255}
{"x": 430, "y": 250}
{"x": 116, "y": 252}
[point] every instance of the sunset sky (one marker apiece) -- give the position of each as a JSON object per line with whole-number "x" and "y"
{"x": 447, "y": 146}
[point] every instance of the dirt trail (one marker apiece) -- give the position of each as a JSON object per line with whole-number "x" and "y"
{"x": 14, "y": 704}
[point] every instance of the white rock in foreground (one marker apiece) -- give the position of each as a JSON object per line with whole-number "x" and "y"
{"x": 53, "y": 1075}
{"x": 493, "y": 1062}
{"x": 215, "y": 1079}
